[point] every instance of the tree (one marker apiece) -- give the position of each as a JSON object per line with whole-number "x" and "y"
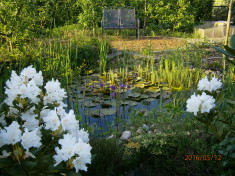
{"x": 19, "y": 21}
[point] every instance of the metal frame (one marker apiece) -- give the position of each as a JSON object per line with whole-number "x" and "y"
{"x": 119, "y": 27}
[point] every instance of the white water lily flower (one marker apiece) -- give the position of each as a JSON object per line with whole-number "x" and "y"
{"x": 54, "y": 93}
{"x": 51, "y": 120}
{"x": 11, "y": 134}
{"x": 30, "y": 139}
{"x": 203, "y": 103}
{"x": 205, "y": 84}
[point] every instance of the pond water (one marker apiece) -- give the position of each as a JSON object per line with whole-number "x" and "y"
{"x": 104, "y": 108}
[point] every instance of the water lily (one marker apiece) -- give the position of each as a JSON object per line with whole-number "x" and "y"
{"x": 113, "y": 94}
{"x": 101, "y": 84}
{"x": 122, "y": 86}
{"x": 112, "y": 87}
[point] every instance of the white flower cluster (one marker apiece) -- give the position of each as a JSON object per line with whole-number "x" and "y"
{"x": 203, "y": 102}
{"x": 213, "y": 84}
{"x": 32, "y": 108}
{"x": 25, "y": 86}
{"x": 13, "y": 134}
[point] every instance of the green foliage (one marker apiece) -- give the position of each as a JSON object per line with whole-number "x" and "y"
{"x": 108, "y": 158}
{"x": 19, "y": 21}
{"x": 104, "y": 49}
{"x": 164, "y": 146}
{"x": 229, "y": 50}
{"x": 201, "y": 9}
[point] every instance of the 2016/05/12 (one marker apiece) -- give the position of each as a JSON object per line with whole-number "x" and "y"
{"x": 203, "y": 157}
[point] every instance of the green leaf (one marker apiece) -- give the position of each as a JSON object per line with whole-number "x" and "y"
{"x": 29, "y": 164}
{"x": 73, "y": 173}
{"x": 230, "y": 50}
{"x": 232, "y": 42}
{"x": 223, "y": 51}
{"x": 5, "y": 162}
{"x": 232, "y": 155}
{"x": 230, "y": 101}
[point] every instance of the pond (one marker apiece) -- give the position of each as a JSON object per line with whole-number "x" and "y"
{"x": 104, "y": 105}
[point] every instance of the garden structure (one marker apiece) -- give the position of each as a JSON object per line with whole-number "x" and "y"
{"x": 120, "y": 18}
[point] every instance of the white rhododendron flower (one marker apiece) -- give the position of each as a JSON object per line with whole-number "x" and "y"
{"x": 67, "y": 148}
{"x": 61, "y": 111}
{"x": 36, "y": 110}
{"x": 11, "y": 134}
{"x": 83, "y": 150}
{"x": 54, "y": 93}
{"x": 29, "y": 117}
{"x": 5, "y": 154}
{"x": 31, "y": 73}
{"x": 69, "y": 122}
{"x": 24, "y": 86}
{"x": 31, "y": 139}
{"x": 205, "y": 84}
{"x": 2, "y": 120}
{"x": 80, "y": 134}
{"x": 203, "y": 103}
{"x": 2, "y": 137}
{"x": 51, "y": 120}
{"x": 71, "y": 147}
{"x": 31, "y": 124}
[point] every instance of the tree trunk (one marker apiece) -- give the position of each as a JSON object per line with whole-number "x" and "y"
{"x": 228, "y": 22}
{"x": 145, "y": 14}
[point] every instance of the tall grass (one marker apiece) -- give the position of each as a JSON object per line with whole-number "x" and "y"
{"x": 104, "y": 49}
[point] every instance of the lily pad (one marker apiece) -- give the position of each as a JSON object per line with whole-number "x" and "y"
{"x": 90, "y": 104}
{"x": 80, "y": 96}
{"x": 149, "y": 99}
{"x": 109, "y": 111}
{"x": 155, "y": 95}
{"x": 138, "y": 79}
{"x": 153, "y": 89}
{"x": 166, "y": 89}
{"x": 133, "y": 103}
{"x": 106, "y": 105}
{"x": 100, "y": 112}
{"x": 134, "y": 95}
{"x": 113, "y": 102}
{"x": 76, "y": 100}
{"x": 140, "y": 85}
{"x": 124, "y": 102}
{"x": 144, "y": 96}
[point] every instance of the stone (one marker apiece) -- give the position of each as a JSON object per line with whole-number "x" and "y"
{"x": 125, "y": 135}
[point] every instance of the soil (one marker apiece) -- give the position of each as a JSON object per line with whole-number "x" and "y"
{"x": 152, "y": 43}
